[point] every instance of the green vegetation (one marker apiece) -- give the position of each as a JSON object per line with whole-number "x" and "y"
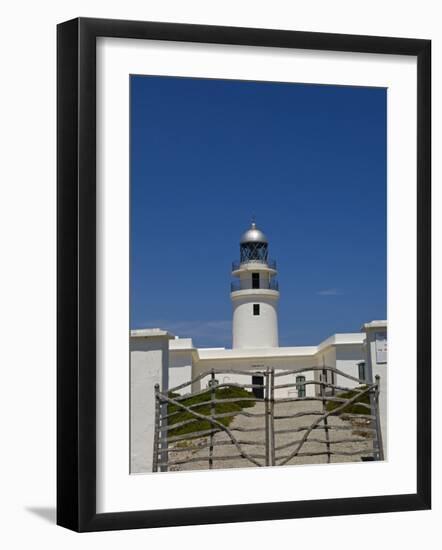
{"x": 352, "y": 408}
{"x": 199, "y": 425}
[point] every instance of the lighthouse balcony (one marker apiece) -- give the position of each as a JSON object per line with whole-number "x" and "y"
{"x": 271, "y": 284}
{"x": 268, "y": 263}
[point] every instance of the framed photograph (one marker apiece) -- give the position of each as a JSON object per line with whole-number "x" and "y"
{"x": 243, "y": 274}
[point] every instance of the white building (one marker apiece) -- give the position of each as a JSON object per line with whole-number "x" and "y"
{"x": 255, "y": 346}
{"x": 149, "y": 365}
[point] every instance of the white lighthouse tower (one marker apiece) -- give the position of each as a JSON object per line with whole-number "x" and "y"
{"x": 254, "y": 294}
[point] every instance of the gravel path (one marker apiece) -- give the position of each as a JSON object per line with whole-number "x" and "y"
{"x": 281, "y": 439}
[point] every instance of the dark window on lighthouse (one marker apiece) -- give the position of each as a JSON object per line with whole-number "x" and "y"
{"x": 255, "y": 280}
{"x": 255, "y": 309}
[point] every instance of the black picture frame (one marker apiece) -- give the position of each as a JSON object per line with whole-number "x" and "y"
{"x": 76, "y": 274}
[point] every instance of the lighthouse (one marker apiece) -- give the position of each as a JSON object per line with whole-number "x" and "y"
{"x": 254, "y": 294}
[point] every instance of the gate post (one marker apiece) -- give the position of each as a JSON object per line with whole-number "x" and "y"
{"x": 164, "y": 436}
{"x": 212, "y": 414}
{"x": 267, "y": 415}
{"x": 272, "y": 418}
{"x": 157, "y": 429}
{"x": 380, "y": 445}
{"x": 323, "y": 381}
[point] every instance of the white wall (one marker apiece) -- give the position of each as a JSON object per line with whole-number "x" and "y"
{"x": 180, "y": 370}
{"x": 347, "y": 359}
{"x": 344, "y": 357}
{"x": 255, "y": 331}
{"x": 246, "y": 278}
{"x": 149, "y": 361}
{"x": 325, "y": 358}
{"x": 253, "y": 364}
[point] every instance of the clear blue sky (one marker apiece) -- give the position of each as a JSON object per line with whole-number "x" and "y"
{"x": 308, "y": 161}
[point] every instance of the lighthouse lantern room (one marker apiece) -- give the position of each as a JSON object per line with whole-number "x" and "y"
{"x": 254, "y": 294}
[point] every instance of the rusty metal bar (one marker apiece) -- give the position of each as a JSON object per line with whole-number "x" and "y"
{"x": 157, "y": 429}
{"x": 379, "y": 442}
{"x": 163, "y": 447}
{"x": 324, "y": 405}
{"x": 272, "y": 417}
{"x": 267, "y": 416}
{"x": 212, "y": 413}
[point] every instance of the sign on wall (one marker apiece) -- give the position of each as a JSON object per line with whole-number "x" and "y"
{"x": 381, "y": 347}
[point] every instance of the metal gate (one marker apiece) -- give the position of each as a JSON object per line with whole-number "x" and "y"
{"x": 193, "y": 429}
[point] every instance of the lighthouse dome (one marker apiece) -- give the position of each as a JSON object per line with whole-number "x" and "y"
{"x": 253, "y": 235}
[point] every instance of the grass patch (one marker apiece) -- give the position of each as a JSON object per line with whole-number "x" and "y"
{"x": 353, "y": 408}
{"x": 199, "y": 425}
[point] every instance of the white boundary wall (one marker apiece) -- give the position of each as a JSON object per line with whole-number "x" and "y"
{"x": 149, "y": 365}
